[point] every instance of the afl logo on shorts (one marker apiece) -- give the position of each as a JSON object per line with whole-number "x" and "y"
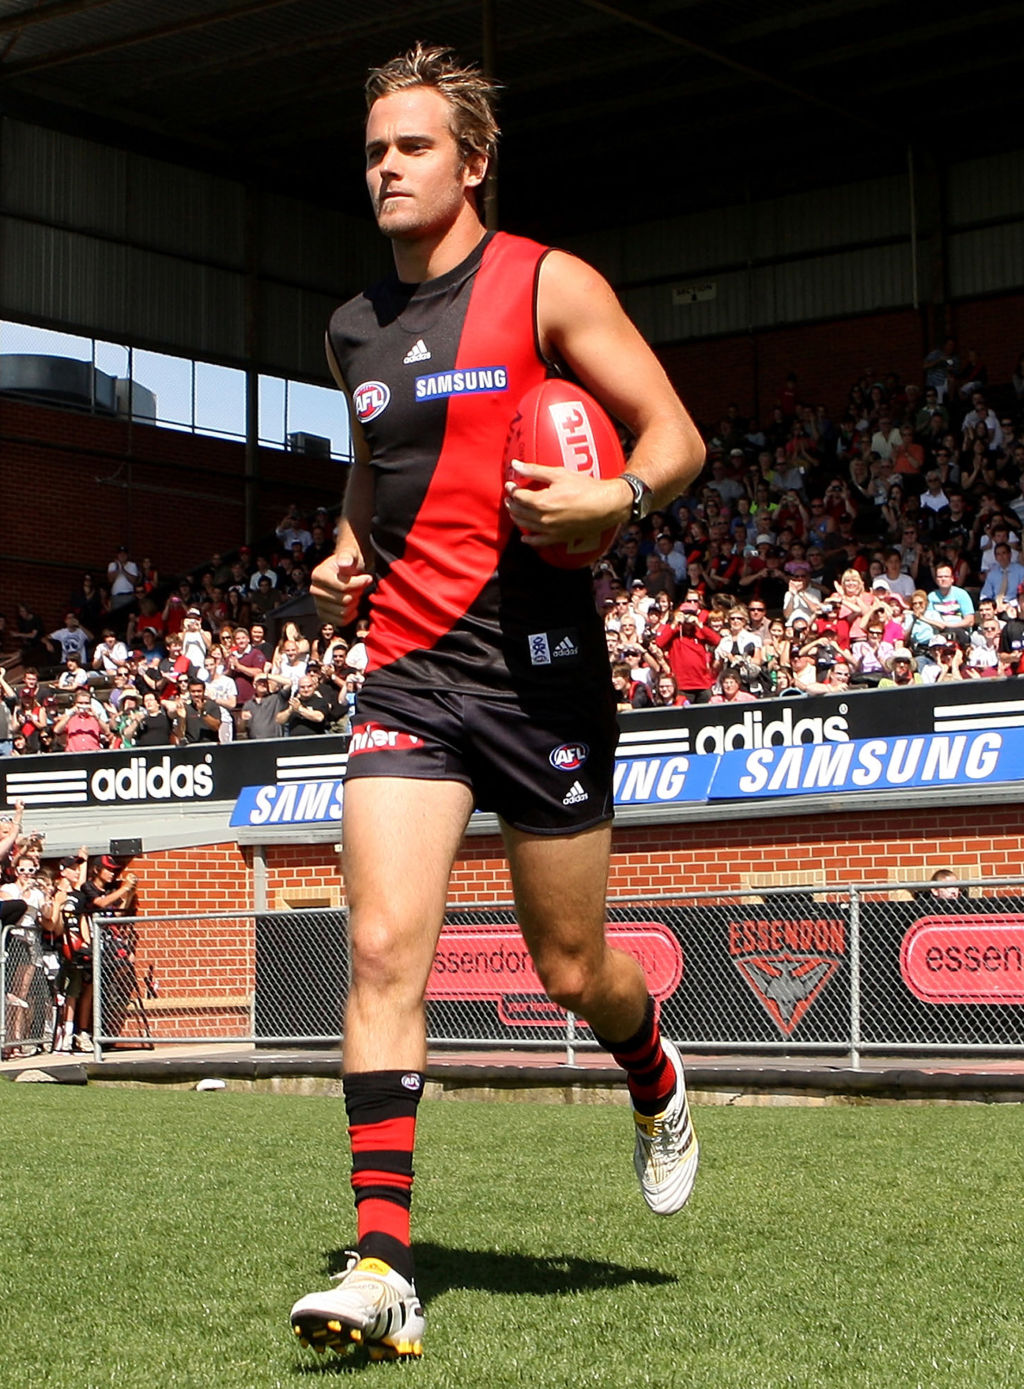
{"x": 570, "y": 757}
{"x": 370, "y": 399}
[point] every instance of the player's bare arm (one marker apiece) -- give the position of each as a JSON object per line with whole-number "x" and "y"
{"x": 582, "y": 323}
{"x": 338, "y": 583}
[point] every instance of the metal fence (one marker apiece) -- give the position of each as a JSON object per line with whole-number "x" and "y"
{"x": 847, "y": 970}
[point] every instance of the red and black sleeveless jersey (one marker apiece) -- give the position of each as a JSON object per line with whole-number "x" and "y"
{"x": 436, "y": 371}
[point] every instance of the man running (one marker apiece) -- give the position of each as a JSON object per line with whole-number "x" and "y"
{"x": 465, "y": 704}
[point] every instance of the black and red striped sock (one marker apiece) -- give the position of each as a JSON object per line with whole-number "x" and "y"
{"x": 650, "y": 1075}
{"x": 381, "y": 1108}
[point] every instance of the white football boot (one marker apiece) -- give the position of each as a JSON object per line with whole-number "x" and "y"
{"x": 667, "y": 1153}
{"x": 370, "y": 1305}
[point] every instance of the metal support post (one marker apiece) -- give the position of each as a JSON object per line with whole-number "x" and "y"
{"x": 854, "y": 979}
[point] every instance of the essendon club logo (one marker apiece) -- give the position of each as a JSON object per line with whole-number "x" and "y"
{"x": 787, "y": 963}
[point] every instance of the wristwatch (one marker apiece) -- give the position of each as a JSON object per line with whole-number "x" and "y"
{"x": 643, "y": 496}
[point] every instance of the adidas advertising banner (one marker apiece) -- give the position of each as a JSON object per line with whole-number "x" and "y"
{"x": 665, "y": 756}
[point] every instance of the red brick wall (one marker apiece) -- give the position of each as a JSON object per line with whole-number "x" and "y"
{"x": 112, "y": 482}
{"x": 721, "y": 854}
{"x": 829, "y": 357}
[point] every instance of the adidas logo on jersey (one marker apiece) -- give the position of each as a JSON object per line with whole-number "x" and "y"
{"x": 575, "y": 795}
{"x": 566, "y": 647}
{"x": 419, "y": 352}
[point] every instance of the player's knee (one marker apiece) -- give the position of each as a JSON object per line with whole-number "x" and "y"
{"x": 377, "y": 958}
{"x": 568, "y": 981}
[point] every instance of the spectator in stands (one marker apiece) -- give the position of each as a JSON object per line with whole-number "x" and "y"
{"x": 83, "y": 729}
{"x": 291, "y": 531}
{"x": 308, "y": 708}
{"x": 156, "y": 724}
{"x": 982, "y": 654}
{"x": 288, "y": 666}
{"x": 109, "y": 654}
{"x": 242, "y": 660}
{"x": 1011, "y": 639}
{"x": 688, "y": 643}
{"x": 72, "y": 639}
{"x": 901, "y": 670}
{"x": 667, "y": 694}
{"x": 945, "y": 661}
{"x": 199, "y": 715}
{"x": 629, "y": 693}
{"x": 122, "y": 575}
{"x": 31, "y": 713}
{"x": 72, "y": 677}
{"x": 732, "y": 691}
{"x": 1005, "y": 578}
{"x": 267, "y": 712}
{"x": 258, "y": 638}
{"x": 29, "y": 633}
{"x": 121, "y": 723}
{"x": 738, "y": 640}
{"x": 223, "y": 691}
{"x": 949, "y": 605}
{"x": 871, "y": 654}
{"x": 195, "y": 639}
{"x": 805, "y": 672}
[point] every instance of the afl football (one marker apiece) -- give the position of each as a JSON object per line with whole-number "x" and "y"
{"x": 560, "y": 425}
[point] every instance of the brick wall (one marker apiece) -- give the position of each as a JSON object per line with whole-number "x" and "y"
{"x": 729, "y": 855}
{"x": 174, "y": 497}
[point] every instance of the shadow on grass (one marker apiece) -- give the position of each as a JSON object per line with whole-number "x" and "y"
{"x": 441, "y": 1269}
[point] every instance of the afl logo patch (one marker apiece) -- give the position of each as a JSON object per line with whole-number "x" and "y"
{"x": 370, "y": 399}
{"x": 569, "y": 757}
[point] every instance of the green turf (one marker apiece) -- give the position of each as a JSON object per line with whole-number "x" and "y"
{"x": 160, "y": 1238}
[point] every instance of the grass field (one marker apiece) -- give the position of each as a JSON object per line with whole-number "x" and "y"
{"x": 154, "y": 1238}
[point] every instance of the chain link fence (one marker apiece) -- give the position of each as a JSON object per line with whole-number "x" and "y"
{"x": 28, "y": 972}
{"x": 883, "y": 968}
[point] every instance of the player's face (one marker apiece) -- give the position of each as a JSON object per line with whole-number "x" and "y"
{"x": 415, "y": 174}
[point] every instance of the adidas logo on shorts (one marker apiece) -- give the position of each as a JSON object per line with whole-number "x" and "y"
{"x": 566, "y": 647}
{"x": 575, "y": 795}
{"x": 419, "y": 352}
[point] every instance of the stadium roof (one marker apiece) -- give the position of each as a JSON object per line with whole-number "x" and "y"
{"x": 613, "y": 112}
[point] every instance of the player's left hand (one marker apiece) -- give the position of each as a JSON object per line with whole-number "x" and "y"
{"x": 552, "y": 504}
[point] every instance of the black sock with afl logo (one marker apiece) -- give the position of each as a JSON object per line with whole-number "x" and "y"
{"x": 381, "y": 1107}
{"x": 650, "y": 1075}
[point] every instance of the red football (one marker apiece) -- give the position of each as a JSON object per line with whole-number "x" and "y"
{"x": 560, "y": 425}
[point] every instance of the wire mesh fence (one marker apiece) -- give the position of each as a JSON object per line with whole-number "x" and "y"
{"x": 890, "y": 967}
{"x": 28, "y": 972}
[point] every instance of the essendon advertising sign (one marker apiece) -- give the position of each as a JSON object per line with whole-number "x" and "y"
{"x": 491, "y": 963}
{"x": 966, "y": 959}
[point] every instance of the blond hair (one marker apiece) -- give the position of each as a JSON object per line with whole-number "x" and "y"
{"x": 469, "y": 93}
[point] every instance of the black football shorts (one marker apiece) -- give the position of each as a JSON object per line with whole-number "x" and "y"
{"x": 545, "y": 768}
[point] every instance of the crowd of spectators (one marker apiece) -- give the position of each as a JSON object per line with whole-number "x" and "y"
{"x": 51, "y": 908}
{"x": 201, "y": 659}
{"x": 815, "y": 554}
